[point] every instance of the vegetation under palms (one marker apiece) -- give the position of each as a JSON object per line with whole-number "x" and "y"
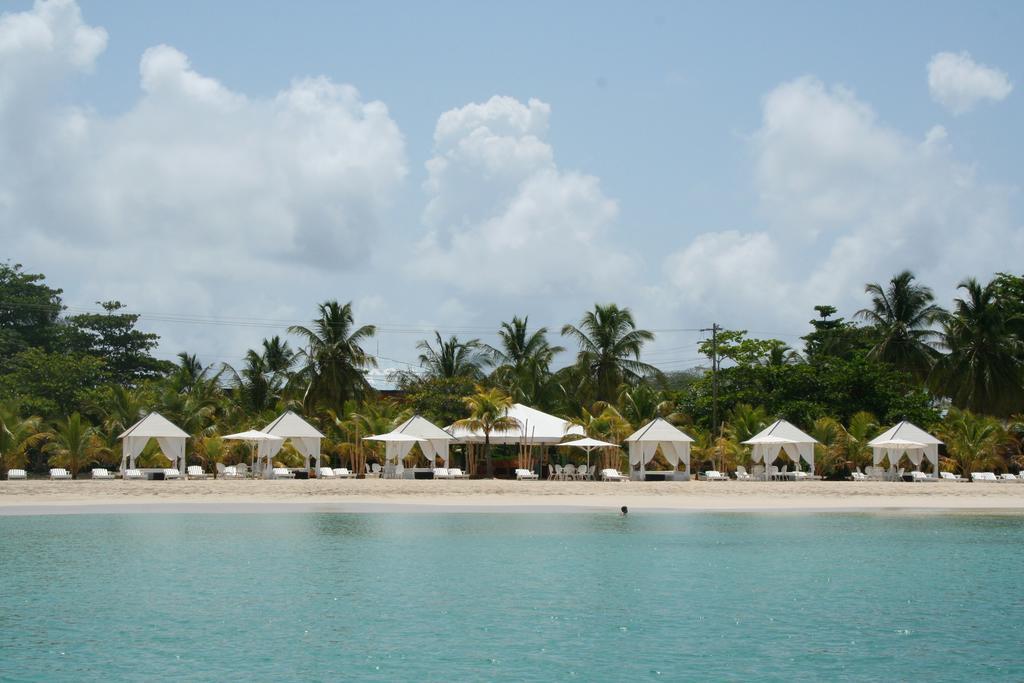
{"x": 488, "y": 413}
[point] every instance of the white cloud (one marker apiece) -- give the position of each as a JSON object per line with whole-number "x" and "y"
{"x": 845, "y": 200}
{"x": 958, "y": 83}
{"x": 503, "y": 217}
{"x": 196, "y": 198}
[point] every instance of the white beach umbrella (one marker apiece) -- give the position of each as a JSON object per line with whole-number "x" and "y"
{"x": 588, "y": 445}
{"x": 259, "y": 438}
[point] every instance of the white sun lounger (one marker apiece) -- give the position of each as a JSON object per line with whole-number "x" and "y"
{"x": 59, "y": 473}
{"x": 171, "y": 473}
{"x": 857, "y": 475}
{"x": 522, "y": 474}
{"x": 283, "y": 473}
{"x": 715, "y": 475}
{"x": 231, "y": 472}
{"x": 456, "y": 473}
{"x": 613, "y": 475}
{"x": 1008, "y": 477}
{"x": 16, "y": 474}
{"x": 196, "y": 472}
{"x": 917, "y": 475}
{"x": 325, "y": 473}
{"x": 983, "y": 476}
{"x": 949, "y": 476}
{"x": 742, "y": 474}
{"x": 440, "y": 473}
{"x": 343, "y": 473}
{"x": 133, "y": 474}
{"x": 101, "y": 473}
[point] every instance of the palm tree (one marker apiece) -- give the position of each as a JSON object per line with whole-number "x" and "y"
{"x": 610, "y": 347}
{"x": 863, "y": 427}
{"x": 982, "y": 371}
{"x": 73, "y": 445}
{"x": 17, "y": 436}
{"x": 902, "y": 315}
{"x": 523, "y": 363}
{"x": 335, "y": 362}
{"x": 972, "y": 441}
{"x": 488, "y": 413}
{"x": 829, "y": 449}
{"x": 642, "y": 403}
{"x": 452, "y": 358}
{"x": 212, "y": 449}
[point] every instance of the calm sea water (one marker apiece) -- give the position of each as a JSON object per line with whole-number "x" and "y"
{"x": 511, "y": 597}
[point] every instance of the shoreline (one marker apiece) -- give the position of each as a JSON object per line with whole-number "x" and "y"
{"x": 44, "y": 497}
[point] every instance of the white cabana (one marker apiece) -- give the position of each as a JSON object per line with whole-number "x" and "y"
{"x": 154, "y": 426}
{"x": 396, "y": 446}
{"x": 587, "y": 444}
{"x": 644, "y": 443}
{"x": 304, "y": 436}
{"x": 782, "y": 436}
{"x": 535, "y": 428}
{"x": 435, "y": 440}
{"x": 909, "y": 439}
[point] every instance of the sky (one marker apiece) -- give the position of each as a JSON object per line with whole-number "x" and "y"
{"x": 222, "y": 168}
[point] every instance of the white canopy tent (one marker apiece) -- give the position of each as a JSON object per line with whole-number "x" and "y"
{"x": 644, "y": 443}
{"x": 782, "y": 436}
{"x": 434, "y": 442}
{"x": 154, "y": 426}
{"x": 535, "y": 428}
{"x": 906, "y": 438}
{"x": 587, "y": 444}
{"x": 304, "y": 436}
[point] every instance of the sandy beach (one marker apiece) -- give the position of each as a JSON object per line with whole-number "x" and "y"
{"x": 43, "y": 496}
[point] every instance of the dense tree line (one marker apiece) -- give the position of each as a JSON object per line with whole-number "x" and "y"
{"x": 70, "y": 383}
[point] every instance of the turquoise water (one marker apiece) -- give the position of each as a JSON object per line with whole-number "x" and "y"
{"x": 581, "y": 596}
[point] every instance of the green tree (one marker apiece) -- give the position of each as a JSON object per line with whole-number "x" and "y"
{"x": 334, "y": 363}
{"x": 522, "y": 360}
{"x": 29, "y": 310}
{"x": 440, "y": 400}
{"x": 73, "y": 445}
{"x": 113, "y": 336}
{"x": 902, "y": 315}
{"x": 609, "y": 349}
{"x": 488, "y": 413}
{"x": 51, "y": 384}
{"x": 860, "y": 430}
{"x": 983, "y": 369}
{"x": 972, "y": 441}
{"x": 18, "y": 435}
{"x": 452, "y": 358}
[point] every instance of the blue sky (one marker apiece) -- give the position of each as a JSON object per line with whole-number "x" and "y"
{"x": 729, "y": 161}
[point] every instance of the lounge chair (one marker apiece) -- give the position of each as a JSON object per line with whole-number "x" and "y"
{"x": 857, "y": 475}
{"x": 742, "y": 474}
{"x": 983, "y": 476}
{"x": 440, "y": 473}
{"x": 171, "y": 473}
{"x": 613, "y": 475}
{"x": 715, "y": 475}
{"x": 101, "y": 473}
{"x": 1008, "y": 477}
{"x": 325, "y": 473}
{"x": 918, "y": 475}
{"x": 456, "y": 473}
{"x": 231, "y": 472}
{"x": 949, "y": 476}
{"x": 525, "y": 474}
{"x": 134, "y": 474}
{"x": 283, "y": 473}
{"x": 16, "y": 474}
{"x": 196, "y": 472}
{"x": 59, "y": 473}
{"x": 343, "y": 473}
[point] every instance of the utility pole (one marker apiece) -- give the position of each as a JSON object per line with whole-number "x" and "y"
{"x": 714, "y": 382}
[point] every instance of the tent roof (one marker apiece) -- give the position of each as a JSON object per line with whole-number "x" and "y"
{"x": 252, "y": 435}
{"x": 904, "y": 431}
{"x": 534, "y": 426}
{"x": 154, "y": 425}
{"x": 423, "y": 428}
{"x": 289, "y": 424}
{"x": 781, "y": 431}
{"x": 659, "y": 430}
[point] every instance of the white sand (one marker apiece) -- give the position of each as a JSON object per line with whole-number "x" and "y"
{"x": 42, "y": 496}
